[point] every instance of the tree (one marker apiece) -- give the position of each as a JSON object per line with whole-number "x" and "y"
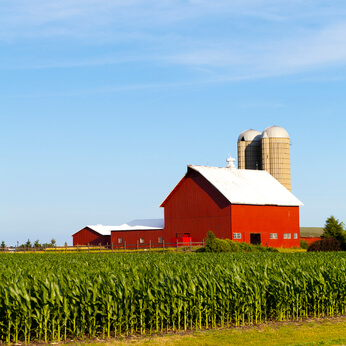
{"x": 53, "y": 242}
{"x": 28, "y": 243}
{"x": 3, "y": 245}
{"x": 333, "y": 228}
{"x": 37, "y": 243}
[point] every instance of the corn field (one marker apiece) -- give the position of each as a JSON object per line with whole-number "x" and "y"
{"x": 59, "y": 296}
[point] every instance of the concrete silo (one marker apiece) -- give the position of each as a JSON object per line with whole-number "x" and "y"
{"x": 249, "y": 150}
{"x": 276, "y": 154}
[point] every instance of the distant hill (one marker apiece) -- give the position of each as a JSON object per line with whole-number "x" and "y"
{"x": 311, "y": 231}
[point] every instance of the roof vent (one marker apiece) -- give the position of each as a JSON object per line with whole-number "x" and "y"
{"x": 230, "y": 163}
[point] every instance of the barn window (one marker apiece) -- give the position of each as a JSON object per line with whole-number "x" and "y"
{"x": 141, "y": 240}
{"x": 273, "y": 236}
{"x": 236, "y": 235}
{"x": 160, "y": 240}
{"x": 287, "y": 235}
{"x": 295, "y": 235}
{"x": 120, "y": 240}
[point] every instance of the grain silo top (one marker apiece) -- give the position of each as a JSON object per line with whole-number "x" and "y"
{"x": 275, "y": 132}
{"x": 250, "y": 135}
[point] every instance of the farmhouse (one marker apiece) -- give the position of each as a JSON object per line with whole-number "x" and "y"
{"x": 239, "y": 204}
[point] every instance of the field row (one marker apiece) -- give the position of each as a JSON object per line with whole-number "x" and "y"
{"x": 48, "y": 297}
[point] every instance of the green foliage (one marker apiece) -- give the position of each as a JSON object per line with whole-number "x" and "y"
{"x": 234, "y": 247}
{"x": 326, "y": 244}
{"x": 304, "y": 244}
{"x": 214, "y": 244}
{"x": 217, "y": 245}
{"x": 55, "y": 297}
{"x": 333, "y": 228}
{"x": 3, "y": 245}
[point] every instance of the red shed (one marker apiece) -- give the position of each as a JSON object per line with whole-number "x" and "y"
{"x": 143, "y": 231}
{"x": 238, "y": 204}
{"x": 93, "y": 235}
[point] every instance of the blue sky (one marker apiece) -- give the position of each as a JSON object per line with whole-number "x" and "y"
{"x": 103, "y": 104}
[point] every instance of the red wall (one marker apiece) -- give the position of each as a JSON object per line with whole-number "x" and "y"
{"x": 131, "y": 237}
{"x": 264, "y": 220}
{"x": 310, "y": 240}
{"x": 195, "y": 207}
{"x": 88, "y": 236}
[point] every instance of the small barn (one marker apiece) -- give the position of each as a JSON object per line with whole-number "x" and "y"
{"x": 240, "y": 204}
{"x": 143, "y": 231}
{"x": 310, "y": 234}
{"x": 93, "y": 235}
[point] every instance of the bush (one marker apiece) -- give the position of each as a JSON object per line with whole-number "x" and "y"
{"x": 214, "y": 244}
{"x": 326, "y": 244}
{"x": 304, "y": 244}
{"x": 234, "y": 247}
{"x": 217, "y": 245}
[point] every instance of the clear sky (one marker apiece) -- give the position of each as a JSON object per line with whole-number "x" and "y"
{"x": 103, "y": 104}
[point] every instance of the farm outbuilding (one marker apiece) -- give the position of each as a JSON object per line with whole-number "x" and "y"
{"x": 239, "y": 204}
{"x": 310, "y": 234}
{"x": 143, "y": 231}
{"x": 93, "y": 235}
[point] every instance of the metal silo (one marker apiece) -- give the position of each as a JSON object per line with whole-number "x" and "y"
{"x": 249, "y": 150}
{"x": 276, "y": 154}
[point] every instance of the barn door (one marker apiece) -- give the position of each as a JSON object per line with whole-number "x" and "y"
{"x": 255, "y": 238}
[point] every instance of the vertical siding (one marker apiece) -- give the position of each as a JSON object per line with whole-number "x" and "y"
{"x": 195, "y": 208}
{"x": 131, "y": 237}
{"x": 247, "y": 219}
{"x": 88, "y": 236}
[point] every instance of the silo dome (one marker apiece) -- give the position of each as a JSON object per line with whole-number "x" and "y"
{"x": 250, "y": 135}
{"x": 275, "y": 132}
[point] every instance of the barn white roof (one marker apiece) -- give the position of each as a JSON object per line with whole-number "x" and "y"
{"x": 246, "y": 186}
{"x": 134, "y": 225}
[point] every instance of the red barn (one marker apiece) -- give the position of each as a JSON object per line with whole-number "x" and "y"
{"x": 93, "y": 235}
{"x": 143, "y": 231}
{"x": 238, "y": 204}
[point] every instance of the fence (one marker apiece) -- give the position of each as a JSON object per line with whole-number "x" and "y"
{"x": 110, "y": 248}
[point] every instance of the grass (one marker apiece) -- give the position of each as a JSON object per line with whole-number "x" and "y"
{"x": 326, "y": 331}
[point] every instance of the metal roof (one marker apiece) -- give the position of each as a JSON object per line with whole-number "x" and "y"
{"x": 250, "y": 135}
{"x": 275, "y": 132}
{"x": 246, "y": 186}
{"x": 134, "y": 225}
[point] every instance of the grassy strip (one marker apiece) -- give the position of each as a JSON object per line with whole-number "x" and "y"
{"x": 326, "y": 331}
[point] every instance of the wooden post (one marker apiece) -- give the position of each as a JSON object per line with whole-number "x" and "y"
{"x": 203, "y": 242}
{"x": 149, "y": 245}
{"x": 107, "y": 246}
{"x": 100, "y": 246}
{"x": 112, "y": 247}
{"x": 137, "y": 246}
{"x": 65, "y": 248}
{"x": 77, "y": 247}
{"x": 177, "y": 245}
{"x": 125, "y": 246}
{"x": 55, "y": 248}
{"x": 45, "y": 248}
{"x": 163, "y": 246}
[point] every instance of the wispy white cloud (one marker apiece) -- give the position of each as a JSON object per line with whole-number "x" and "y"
{"x": 325, "y": 47}
{"x": 256, "y": 38}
